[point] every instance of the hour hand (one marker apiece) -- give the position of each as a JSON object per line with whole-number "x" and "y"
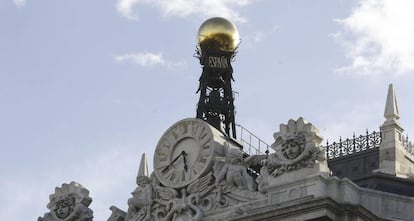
{"x": 185, "y": 161}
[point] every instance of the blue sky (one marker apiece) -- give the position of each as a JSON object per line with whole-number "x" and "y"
{"x": 86, "y": 87}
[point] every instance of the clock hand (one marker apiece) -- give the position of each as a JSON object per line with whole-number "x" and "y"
{"x": 173, "y": 161}
{"x": 185, "y": 161}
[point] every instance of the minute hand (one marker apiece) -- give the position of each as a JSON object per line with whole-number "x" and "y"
{"x": 173, "y": 161}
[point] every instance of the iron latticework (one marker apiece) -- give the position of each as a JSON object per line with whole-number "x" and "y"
{"x": 216, "y": 103}
{"x": 408, "y": 145}
{"x": 354, "y": 145}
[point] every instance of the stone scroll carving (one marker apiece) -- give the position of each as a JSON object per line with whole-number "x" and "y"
{"x": 69, "y": 203}
{"x": 199, "y": 198}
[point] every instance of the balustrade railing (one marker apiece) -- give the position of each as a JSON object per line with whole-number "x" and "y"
{"x": 352, "y": 146}
{"x": 252, "y": 145}
{"x": 409, "y": 146}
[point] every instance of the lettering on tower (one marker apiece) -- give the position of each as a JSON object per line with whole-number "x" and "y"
{"x": 218, "y": 62}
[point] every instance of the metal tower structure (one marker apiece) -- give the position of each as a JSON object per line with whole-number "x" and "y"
{"x": 218, "y": 40}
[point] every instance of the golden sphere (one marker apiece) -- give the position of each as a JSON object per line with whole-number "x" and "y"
{"x": 218, "y": 34}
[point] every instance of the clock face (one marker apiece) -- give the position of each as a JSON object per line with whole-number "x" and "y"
{"x": 184, "y": 153}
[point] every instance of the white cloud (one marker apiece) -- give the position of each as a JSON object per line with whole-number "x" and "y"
{"x": 147, "y": 59}
{"x": 19, "y": 3}
{"x": 186, "y": 8}
{"x": 126, "y": 8}
{"x": 378, "y": 37}
{"x": 143, "y": 59}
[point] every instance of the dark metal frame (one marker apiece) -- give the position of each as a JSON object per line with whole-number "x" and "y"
{"x": 216, "y": 103}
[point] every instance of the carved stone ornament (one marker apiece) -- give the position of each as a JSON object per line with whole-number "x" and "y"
{"x": 140, "y": 205}
{"x": 191, "y": 203}
{"x": 199, "y": 173}
{"x": 233, "y": 173}
{"x": 297, "y": 145}
{"x": 229, "y": 187}
{"x": 69, "y": 203}
{"x": 117, "y": 214}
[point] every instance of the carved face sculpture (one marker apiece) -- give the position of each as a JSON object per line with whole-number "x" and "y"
{"x": 292, "y": 148}
{"x": 64, "y": 207}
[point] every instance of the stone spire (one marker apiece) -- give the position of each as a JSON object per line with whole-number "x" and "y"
{"x": 393, "y": 158}
{"x": 143, "y": 167}
{"x": 391, "y": 112}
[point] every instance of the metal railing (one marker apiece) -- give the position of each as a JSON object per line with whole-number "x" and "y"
{"x": 408, "y": 145}
{"x": 252, "y": 144}
{"x": 354, "y": 145}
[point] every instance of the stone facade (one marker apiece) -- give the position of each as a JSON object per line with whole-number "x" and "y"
{"x": 203, "y": 175}
{"x": 294, "y": 184}
{"x": 329, "y": 198}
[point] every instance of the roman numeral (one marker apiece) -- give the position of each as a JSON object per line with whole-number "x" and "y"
{"x": 203, "y": 159}
{"x": 205, "y": 152}
{"x": 183, "y": 176}
{"x": 193, "y": 172}
{"x": 198, "y": 166}
{"x": 172, "y": 176}
{"x": 165, "y": 172}
{"x": 198, "y": 132}
{"x": 204, "y": 140}
{"x": 163, "y": 158}
{"x": 183, "y": 129}
{"x": 202, "y": 133}
{"x": 190, "y": 128}
{"x": 163, "y": 152}
{"x": 170, "y": 141}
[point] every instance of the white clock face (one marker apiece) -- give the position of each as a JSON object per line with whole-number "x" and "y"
{"x": 184, "y": 153}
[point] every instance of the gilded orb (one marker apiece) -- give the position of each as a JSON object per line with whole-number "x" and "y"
{"x": 218, "y": 34}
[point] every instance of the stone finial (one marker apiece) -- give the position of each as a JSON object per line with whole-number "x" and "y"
{"x": 394, "y": 158}
{"x": 70, "y": 203}
{"x": 143, "y": 166}
{"x": 391, "y": 112}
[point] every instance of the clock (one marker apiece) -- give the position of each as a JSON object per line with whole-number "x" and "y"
{"x": 185, "y": 152}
